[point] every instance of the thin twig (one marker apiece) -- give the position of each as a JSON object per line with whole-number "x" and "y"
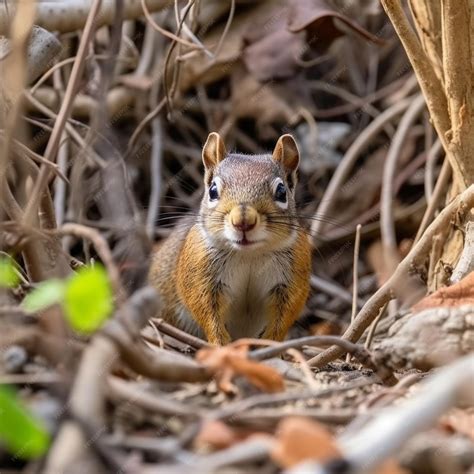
{"x": 155, "y": 176}
{"x": 102, "y": 248}
{"x": 440, "y": 186}
{"x": 431, "y": 159}
{"x": 226, "y": 29}
{"x": 182, "y": 336}
{"x": 373, "y": 327}
{"x": 165, "y": 32}
{"x": 355, "y": 278}
{"x": 387, "y": 227}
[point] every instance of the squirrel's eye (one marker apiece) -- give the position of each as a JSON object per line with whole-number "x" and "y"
{"x": 213, "y": 193}
{"x": 280, "y": 193}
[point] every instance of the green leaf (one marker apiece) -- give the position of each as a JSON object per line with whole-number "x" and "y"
{"x": 46, "y": 294}
{"x": 88, "y": 300}
{"x": 23, "y": 435}
{"x": 8, "y": 276}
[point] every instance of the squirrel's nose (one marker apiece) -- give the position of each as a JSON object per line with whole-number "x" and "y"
{"x": 244, "y": 218}
{"x": 244, "y": 226}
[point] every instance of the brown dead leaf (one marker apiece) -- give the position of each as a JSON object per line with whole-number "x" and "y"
{"x": 266, "y": 103}
{"x": 318, "y": 17}
{"x": 216, "y": 435}
{"x": 276, "y": 42}
{"x": 391, "y": 467}
{"x": 375, "y": 257}
{"x": 299, "y": 439}
{"x": 272, "y": 51}
{"x": 204, "y": 70}
{"x": 227, "y": 362}
{"x": 459, "y": 294}
{"x": 326, "y": 328}
{"x": 459, "y": 421}
{"x": 405, "y": 247}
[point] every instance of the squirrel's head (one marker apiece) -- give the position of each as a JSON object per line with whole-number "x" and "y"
{"x": 249, "y": 200}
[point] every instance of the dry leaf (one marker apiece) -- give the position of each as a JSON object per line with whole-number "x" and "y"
{"x": 276, "y": 42}
{"x": 317, "y": 18}
{"x": 268, "y": 103}
{"x": 216, "y": 435}
{"x": 326, "y": 328}
{"x": 299, "y": 439}
{"x": 459, "y": 421}
{"x": 227, "y": 362}
{"x": 405, "y": 247}
{"x": 391, "y": 467}
{"x": 459, "y": 294}
{"x": 204, "y": 70}
{"x": 375, "y": 257}
{"x": 272, "y": 51}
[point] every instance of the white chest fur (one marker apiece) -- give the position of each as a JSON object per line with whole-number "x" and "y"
{"x": 247, "y": 283}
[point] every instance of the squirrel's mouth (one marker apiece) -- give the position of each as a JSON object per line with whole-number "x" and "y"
{"x": 244, "y": 242}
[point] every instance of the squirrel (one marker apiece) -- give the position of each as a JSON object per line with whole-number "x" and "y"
{"x": 241, "y": 267}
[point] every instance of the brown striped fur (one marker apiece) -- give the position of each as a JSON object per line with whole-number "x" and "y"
{"x": 242, "y": 268}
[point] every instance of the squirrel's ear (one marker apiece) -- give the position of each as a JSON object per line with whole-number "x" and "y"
{"x": 286, "y": 153}
{"x": 213, "y": 151}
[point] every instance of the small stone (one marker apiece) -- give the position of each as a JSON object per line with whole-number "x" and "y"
{"x": 14, "y": 358}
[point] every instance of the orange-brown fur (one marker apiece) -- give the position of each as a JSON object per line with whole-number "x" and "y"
{"x": 220, "y": 290}
{"x": 282, "y": 316}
